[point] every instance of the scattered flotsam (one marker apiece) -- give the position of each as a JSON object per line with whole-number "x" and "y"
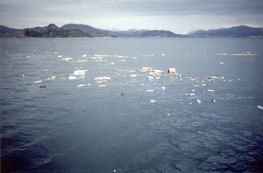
{"x": 146, "y": 69}
{"x": 80, "y": 72}
{"x": 67, "y": 59}
{"x": 198, "y": 101}
{"x": 260, "y": 107}
{"x": 190, "y": 94}
{"x": 72, "y": 77}
{"x": 133, "y": 75}
{"x": 152, "y": 101}
{"x": 84, "y": 56}
{"x": 52, "y": 78}
{"x": 150, "y": 90}
{"x": 84, "y": 85}
{"x": 39, "y": 81}
{"x": 211, "y": 90}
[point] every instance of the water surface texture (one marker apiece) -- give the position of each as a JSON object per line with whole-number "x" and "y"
{"x": 207, "y": 118}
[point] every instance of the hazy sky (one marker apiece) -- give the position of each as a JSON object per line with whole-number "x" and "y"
{"x": 180, "y": 16}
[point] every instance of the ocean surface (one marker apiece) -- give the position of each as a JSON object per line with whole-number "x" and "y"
{"x": 108, "y": 105}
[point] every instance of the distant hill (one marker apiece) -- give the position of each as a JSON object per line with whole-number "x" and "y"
{"x": 237, "y": 31}
{"x": 94, "y": 32}
{"x": 53, "y": 31}
{"x": 10, "y": 32}
{"x": 80, "y": 30}
{"x": 147, "y": 33}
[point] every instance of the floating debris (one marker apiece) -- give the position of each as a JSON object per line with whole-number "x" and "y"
{"x": 156, "y": 73}
{"x": 152, "y": 101}
{"x": 198, "y": 101}
{"x": 84, "y": 85}
{"x": 163, "y": 88}
{"x": 163, "y": 54}
{"x": 102, "y": 79}
{"x": 67, "y": 59}
{"x": 149, "y": 55}
{"x": 60, "y": 56}
{"x": 84, "y": 56}
{"x": 243, "y": 54}
{"x": 146, "y": 69}
{"x": 52, "y": 78}
{"x": 42, "y": 86}
{"x": 211, "y": 90}
{"x": 260, "y": 107}
{"x": 190, "y": 94}
{"x": 221, "y": 63}
{"x": 103, "y": 86}
{"x": 39, "y": 81}
{"x": 80, "y": 72}
{"x": 123, "y": 94}
{"x": 150, "y": 90}
{"x": 172, "y": 71}
{"x": 72, "y": 77}
{"x": 133, "y": 75}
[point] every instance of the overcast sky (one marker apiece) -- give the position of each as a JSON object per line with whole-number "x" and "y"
{"x": 180, "y": 16}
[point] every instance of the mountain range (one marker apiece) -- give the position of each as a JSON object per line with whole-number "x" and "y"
{"x": 81, "y": 30}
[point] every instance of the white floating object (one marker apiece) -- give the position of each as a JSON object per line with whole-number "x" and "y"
{"x": 84, "y": 55}
{"x": 152, "y": 101}
{"x": 221, "y": 63}
{"x": 171, "y": 70}
{"x": 163, "y": 54}
{"x": 67, "y": 59}
{"x": 39, "y": 81}
{"x": 190, "y": 94}
{"x": 149, "y": 55}
{"x": 150, "y": 91}
{"x": 211, "y": 90}
{"x": 60, "y": 56}
{"x": 103, "y": 86}
{"x": 72, "y": 77}
{"x": 260, "y": 107}
{"x": 150, "y": 77}
{"x": 103, "y": 78}
{"x": 83, "y": 85}
{"x": 199, "y": 101}
{"x": 163, "y": 87}
{"x": 145, "y": 69}
{"x": 133, "y": 75}
{"x": 80, "y": 72}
